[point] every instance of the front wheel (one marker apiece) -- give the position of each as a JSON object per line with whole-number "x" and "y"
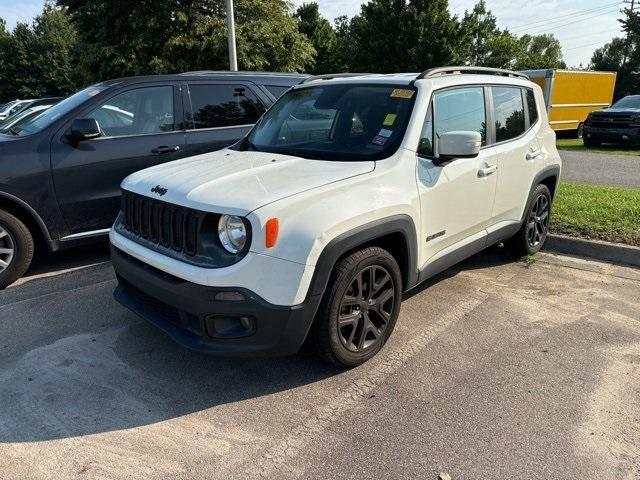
{"x": 534, "y": 230}
{"x": 16, "y": 249}
{"x": 360, "y": 307}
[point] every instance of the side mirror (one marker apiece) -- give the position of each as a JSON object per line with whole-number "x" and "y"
{"x": 452, "y": 145}
{"x": 84, "y": 129}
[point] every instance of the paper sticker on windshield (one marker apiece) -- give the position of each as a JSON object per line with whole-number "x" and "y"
{"x": 384, "y": 133}
{"x": 402, "y": 93}
{"x": 389, "y": 119}
{"x": 378, "y": 140}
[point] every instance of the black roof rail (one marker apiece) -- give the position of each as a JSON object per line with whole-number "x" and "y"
{"x": 435, "y": 72}
{"x": 329, "y": 76}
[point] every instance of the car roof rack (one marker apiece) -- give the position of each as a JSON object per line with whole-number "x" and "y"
{"x": 240, "y": 72}
{"x": 329, "y": 76}
{"x": 439, "y": 71}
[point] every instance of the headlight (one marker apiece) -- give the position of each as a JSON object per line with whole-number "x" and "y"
{"x": 635, "y": 119}
{"x": 232, "y": 233}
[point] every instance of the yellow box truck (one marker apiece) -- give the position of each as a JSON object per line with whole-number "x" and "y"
{"x": 571, "y": 95}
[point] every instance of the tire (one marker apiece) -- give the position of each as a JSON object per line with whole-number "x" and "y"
{"x": 535, "y": 228}
{"x": 580, "y": 131}
{"x": 590, "y": 143}
{"x": 16, "y": 249}
{"x": 368, "y": 315}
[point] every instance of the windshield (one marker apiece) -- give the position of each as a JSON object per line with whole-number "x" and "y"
{"x": 39, "y": 122}
{"x": 8, "y": 106}
{"x": 632, "y": 101}
{"x": 335, "y": 122}
{"x": 14, "y": 122}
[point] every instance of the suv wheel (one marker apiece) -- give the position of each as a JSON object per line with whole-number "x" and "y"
{"x": 590, "y": 143}
{"x": 16, "y": 249}
{"x": 535, "y": 228}
{"x": 360, "y": 307}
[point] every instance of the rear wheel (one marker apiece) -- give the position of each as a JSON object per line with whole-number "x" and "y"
{"x": 16, "y": 249}
{"x": 360, "y": 308}
{"x": 590, "y": 143}
{"x": 534, "y": 230}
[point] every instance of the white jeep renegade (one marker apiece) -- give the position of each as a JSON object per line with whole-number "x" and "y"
{"x": 350, "y": 190}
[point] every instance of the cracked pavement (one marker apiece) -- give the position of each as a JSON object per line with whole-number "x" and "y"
{"x": 496, "y": 369}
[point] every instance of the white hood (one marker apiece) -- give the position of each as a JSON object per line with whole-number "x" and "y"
{"x": 233, "y": 182}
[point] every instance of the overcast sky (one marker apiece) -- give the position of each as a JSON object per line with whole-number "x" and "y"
{"x": 581, "y": 25}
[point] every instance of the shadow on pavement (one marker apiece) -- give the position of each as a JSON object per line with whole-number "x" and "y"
{"x": 99, "y": 368}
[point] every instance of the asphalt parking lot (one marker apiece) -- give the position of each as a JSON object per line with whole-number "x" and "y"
{"x": 496, "y": 370}
{"x": 600, "y": 169}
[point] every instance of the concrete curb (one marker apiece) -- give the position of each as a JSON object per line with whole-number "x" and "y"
{"x": 610, "y": 252}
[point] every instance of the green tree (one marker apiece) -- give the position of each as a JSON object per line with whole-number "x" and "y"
{"x": 396, "y": 36}
{"x": 163, "y": 36}
{"x": 321, "y": 35}
{"x": 38, "y": 60}
{"x": 622, "y": 55}
{"x": 539, "y": 51}
{"x": 610, "y": 56}
{"x": 478, "y": 29}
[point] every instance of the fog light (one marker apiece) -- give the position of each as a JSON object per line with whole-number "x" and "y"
{"x": 230, "y": 326}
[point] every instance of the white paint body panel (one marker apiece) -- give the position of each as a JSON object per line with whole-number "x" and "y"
{"x": 316, "y": 201}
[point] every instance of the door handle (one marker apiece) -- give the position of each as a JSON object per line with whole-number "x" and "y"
{"x": 165, "y": 149}
{"x": 533, "y": 154}
{"x": 488, "y": 170}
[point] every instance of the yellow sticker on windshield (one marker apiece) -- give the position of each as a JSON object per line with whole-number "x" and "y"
{"x": 389, "y": 119}
{"x": 402, "y": 93}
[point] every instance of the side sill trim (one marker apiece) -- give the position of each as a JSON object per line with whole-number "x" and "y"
{"x": 92, "y": 233}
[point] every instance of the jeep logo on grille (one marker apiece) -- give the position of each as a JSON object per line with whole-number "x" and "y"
{"x": 159, "y": 190}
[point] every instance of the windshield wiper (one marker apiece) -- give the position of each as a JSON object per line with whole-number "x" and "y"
{"x": 13, "y": 131}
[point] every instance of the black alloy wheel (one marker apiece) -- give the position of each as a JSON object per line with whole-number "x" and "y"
{"x": 538, "y": 222}
{"x": 366, "y": 308}
{"x": 359, "y": 308}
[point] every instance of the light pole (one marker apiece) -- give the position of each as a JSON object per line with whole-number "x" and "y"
{"x": 231, "y": 36}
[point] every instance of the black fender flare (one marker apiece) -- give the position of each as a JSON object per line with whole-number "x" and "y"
{"x": 369, "y": 232}
{"x": 547, "y": 172}
{"x": 34, "y": 215}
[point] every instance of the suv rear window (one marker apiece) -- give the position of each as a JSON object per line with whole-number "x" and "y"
{"x": 508, "y": 112}
{"x": 223, "y": 106}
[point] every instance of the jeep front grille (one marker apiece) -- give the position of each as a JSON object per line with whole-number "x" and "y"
{"x": 171, "y": 226}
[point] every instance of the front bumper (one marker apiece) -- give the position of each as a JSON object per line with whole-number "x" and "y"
{"x": 185, "y": 311}
{"x": 612, "y": 135}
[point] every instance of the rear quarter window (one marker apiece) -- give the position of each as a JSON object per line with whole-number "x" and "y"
{"x": 276, "y": 90}
{"x": 532, "y": 107}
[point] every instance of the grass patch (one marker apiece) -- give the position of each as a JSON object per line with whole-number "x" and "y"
{"x": 576, "y": 145}
{"x": 597, "y": 212}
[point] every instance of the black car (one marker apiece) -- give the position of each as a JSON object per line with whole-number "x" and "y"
{"x": 60, "y": 173}
{"x": 619, "y": 124}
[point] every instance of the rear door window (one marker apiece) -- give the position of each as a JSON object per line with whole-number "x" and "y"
{"x": 508, "y": 112}
{"x": 215, "y": 106}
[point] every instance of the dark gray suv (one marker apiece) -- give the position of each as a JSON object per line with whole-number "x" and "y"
{"x": 60, "y": 173}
